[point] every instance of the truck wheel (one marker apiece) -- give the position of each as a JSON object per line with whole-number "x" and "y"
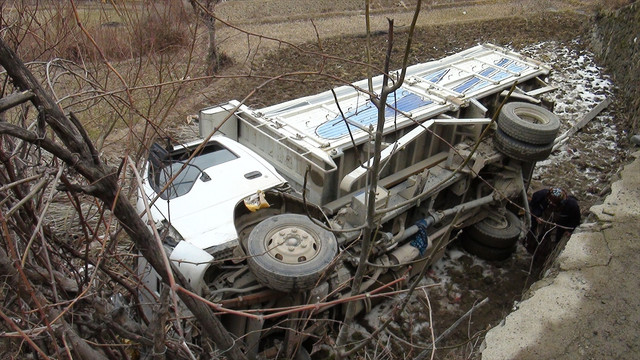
{"x": 288, "y": 252}
{"x": 486, "y": 252}
{"x": 498, "y": 230}
{"x": 528, "y": 123}
{"x": 519, "y": 150}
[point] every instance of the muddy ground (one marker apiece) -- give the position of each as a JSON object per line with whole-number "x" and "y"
{"x": 516, "y": 24}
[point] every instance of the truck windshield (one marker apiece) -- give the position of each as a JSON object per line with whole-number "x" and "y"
{"x": 161, "y": 174}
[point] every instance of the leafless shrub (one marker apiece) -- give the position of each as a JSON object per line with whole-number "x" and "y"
{"x": 120, "y": 32}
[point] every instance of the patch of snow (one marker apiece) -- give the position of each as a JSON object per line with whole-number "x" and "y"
{"x": 581, "y": 85}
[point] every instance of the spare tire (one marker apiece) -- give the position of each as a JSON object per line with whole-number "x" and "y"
{"x": 288, "y": 252}
{"x": 528, "y": 123}
{"x": 519, "y": 150}
{"x": 499, "y": 230}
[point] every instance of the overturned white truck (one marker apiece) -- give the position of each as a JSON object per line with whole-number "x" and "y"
{"x": 269, "y": 211}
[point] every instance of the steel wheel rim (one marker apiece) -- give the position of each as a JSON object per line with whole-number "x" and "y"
{"x": 292, "y": 245}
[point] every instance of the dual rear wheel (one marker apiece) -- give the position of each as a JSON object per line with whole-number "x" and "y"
{"x": 526, "y": 132}
{"x": 495, "y": 237}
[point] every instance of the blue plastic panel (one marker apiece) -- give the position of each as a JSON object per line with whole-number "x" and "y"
{"x": 493, "y": 73}
{"x": 367, "y": 114}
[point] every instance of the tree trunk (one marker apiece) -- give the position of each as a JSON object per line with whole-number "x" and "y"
{"x": 205, "y": 13}
{"x": 213, "y": 62}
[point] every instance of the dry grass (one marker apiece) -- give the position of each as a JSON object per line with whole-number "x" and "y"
{"x": 118, "y": 67}
{"x": 53, "y": 29}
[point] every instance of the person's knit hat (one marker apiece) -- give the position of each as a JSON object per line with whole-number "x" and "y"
{"x": 556, "y": 196}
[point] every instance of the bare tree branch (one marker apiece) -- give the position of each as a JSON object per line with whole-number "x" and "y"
{"x": 15, "y": 99}
{"x": 104, "y": 185}
{"x": 9, "y": 270}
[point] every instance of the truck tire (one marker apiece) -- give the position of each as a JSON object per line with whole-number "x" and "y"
{"x": 520, "y": 150}
{"x": 498, "y": 230}
{"x": 486, "y": 252}
{"x": 528, "y": 123}
{"x": 289, "y": 253}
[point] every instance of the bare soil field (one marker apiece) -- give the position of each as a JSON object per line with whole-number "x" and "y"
{"x": 290, "y": 34}
{"x": 320, "y": 44}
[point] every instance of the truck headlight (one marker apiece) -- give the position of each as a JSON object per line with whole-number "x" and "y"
{"x": 168, "y": 234}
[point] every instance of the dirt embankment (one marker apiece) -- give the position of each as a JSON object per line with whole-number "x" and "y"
{"x": 616, "y": 42}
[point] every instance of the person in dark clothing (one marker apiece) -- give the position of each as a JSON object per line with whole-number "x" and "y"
{"x": 553, "y": 207}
